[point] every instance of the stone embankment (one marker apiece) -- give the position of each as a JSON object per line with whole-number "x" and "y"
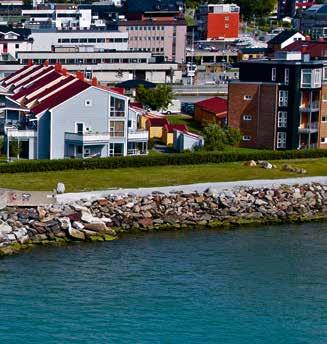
{"x": 107, "y": 218}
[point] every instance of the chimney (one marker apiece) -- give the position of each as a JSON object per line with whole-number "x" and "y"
{"x": 30, "y": 63}
{"x": 64, "y": 71}
{"x": 58, "y": 67}
{"x": 80, "y": 75}
{"x": 307, "y": 38}
{"x": 46, "y": 63}
{"x": 94, "y": 81}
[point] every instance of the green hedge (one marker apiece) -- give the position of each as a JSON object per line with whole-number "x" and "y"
{"x": 156, "y": 160}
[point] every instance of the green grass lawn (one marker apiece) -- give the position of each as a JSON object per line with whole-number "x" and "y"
{"x": 155, "y": 176}
{"x": 192, "y": 125}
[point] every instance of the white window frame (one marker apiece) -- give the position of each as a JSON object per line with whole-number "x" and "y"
{"x": 247, "y": 117}
{"x": 246, "y": 138}
{"x": 282, "y": 119}
{"x": 324, "y": 74}
{"x": 315, "y": 78}
{"x": 283, "y": 98}
{"x": 281, "y": 139}
{"x": 87, "y": 152}
{"x": 323, "y": 139}
{"x": 247, "y": 97}
{"x": 287, "y": 76}
{"x": 273, "y": 74}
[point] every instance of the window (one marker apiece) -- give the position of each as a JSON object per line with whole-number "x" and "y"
{"x": 283, "y": 98}
{"x": 286, "y": 76}
{"x": 246, "y": 97}
{"x": 88, "y": 102}
{"x": 311, "y": 78}
{"x": 226, "y": 26}
{"x": 227, "y": 18}
{"x": 273, "y": 74}
{"x": 247, "y": 117}
{"x": 323, "y": 140}
{"x": 117, "y": 107}
{"x": 282, "y": 119}
{"x": 324, "y": 74}
{"x": 246, "y": 138}
{"x": 281, "y": 139}
{"x": 324, "y": 97}
{"x": 79, "y": 128}
{"x": 17, "y": 46}
{"x": 324, "y": 119}
{"x": 116, "y": 128}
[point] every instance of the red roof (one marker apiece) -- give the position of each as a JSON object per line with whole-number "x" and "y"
{"x": 170, "y": 127}
{"x": 157, "y": 122}
{"x": 39, "y": 74}
{"x": 24, "y": 75}
{"x": 36, "y": 85}
{"x": 214, "y": 105}
{"x": 51, "y": 89}
{"x": 314, "y": 48}
{"x": 59, "y": 97}
{"x": 15, "y": 73}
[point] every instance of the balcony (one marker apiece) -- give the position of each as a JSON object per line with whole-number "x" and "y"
{"x": 87, "y": 138}
{"x": 308, "y": 128}
{"x": 138, "y": 135}
{"x": 20, "y": 133}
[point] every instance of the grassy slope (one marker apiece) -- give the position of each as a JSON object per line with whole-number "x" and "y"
{"x": 192, "y": 125}
{"x": 154, "y": 176}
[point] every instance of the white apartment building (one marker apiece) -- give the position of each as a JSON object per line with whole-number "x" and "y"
{"x": 45, "y": 40}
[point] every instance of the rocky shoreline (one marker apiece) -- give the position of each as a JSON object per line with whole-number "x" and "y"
{"x": 109, "y": 217}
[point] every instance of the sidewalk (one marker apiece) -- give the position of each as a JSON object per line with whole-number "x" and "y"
{"x": 218, "y": 187}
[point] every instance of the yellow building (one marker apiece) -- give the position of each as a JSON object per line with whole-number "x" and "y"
{"x": 155, "y": 126}
{"x": 168, "y": 132}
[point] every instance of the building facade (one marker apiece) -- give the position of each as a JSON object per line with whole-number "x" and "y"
{"x": 289, "y": 8}
{"x": 61, "y": 115}
{"x": 163, "y": 37}
{"x": 218, "y": 21}
{"x": 313, "y": 21}
{"x": 280, "y": 103}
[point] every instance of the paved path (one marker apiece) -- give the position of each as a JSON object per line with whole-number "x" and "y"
{"x": 70, "y": 197}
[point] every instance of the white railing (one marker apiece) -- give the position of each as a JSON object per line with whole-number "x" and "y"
{"x": 306, "y": 128}
{"x": 14, "y": 132}
{"x": 138, "y": 135}
{"x": 87, "y": 137}
{"x": 136, "y": 152}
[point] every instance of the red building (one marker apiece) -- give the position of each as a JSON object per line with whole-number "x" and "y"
{"x": 219, "y": 22}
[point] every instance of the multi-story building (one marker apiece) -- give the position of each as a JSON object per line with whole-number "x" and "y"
{"x": 58, "y": 115}
{"x": 313, "y": 21}
{"x": 13, "y": 40}
{"x": 166, "y": 38}
{"x": 280, "y": 103}
{"x": 46, "y": 40}
{"x": 108, "y": 67}
{"x": 218, "y": 21}
{"x": 289, "y": 8}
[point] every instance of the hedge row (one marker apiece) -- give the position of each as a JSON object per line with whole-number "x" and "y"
{"x": 156, "y": 160}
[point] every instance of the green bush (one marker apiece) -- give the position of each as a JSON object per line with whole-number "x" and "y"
{"x": 195, "y": 158}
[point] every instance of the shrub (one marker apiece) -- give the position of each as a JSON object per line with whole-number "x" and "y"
{"x": 195, "y": 158}
{"x": 214, "y": 137}
{"x": 233, "y": 136}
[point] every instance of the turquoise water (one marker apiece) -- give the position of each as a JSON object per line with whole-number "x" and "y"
{"x": 266, "y": 285}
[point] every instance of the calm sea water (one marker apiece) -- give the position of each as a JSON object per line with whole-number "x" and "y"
{"x": 266, "y": 285}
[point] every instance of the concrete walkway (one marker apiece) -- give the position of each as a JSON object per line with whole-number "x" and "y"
{"x": 70, "y": 197}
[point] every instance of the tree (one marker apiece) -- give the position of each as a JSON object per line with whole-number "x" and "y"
{"x": 233, "y": 136}
{"x": 157, "y": 98}
{"x": 15, "y": 148}
{"x": 214, "y": 137}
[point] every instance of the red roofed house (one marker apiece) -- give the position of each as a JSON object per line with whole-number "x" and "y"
{"x": 155, "y": 126}
{"x": 57, "y": 115}
{"x": 316, "y": 49}
{"x": 211, "y": 110}
{"x": 168, "y": 132}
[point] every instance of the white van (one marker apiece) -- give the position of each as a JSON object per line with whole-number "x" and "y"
{"x": 174, "y": 108}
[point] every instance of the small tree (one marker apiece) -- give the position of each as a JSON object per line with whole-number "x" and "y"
{"x": 233, "y": 136}
{"x": 155, "y": 98}
{"x": 15, "y": 148}
{"x": 214, "y": 137}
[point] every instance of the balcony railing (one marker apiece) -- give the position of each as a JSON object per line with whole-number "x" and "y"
{"x": 18, "y": 133}
{"x": 136, "y": 152}
{"x": 87, "y": 137}
{"x": 141, "y": 135}
{"x": 308, "y": 127}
